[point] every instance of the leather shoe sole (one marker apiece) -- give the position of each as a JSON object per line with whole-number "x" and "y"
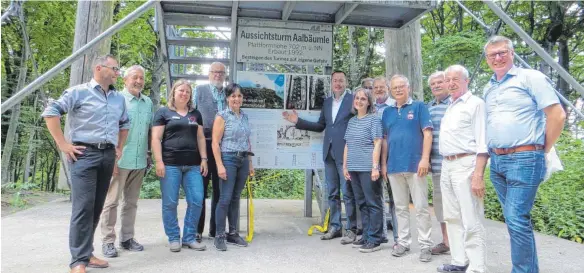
{"x": 94, "y": 262}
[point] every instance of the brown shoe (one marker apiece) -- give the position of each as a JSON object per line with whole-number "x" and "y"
{"x": 78, "y": 269}
{"x": 94, "y": 262}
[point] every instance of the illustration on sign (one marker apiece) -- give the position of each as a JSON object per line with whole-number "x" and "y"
{"x": 296, "y": 92}
{"x": 320, "y": 87}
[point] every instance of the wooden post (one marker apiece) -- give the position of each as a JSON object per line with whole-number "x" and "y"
{"x": 403, "y": 55}
{"x": 93, "y": 18}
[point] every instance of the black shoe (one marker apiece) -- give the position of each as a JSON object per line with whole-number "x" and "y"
{"x": 331, "y": 235}
{"x": 384, "y": 240}
{"x": 389, "y": 225}
{"x": 132, "y": 245}
{"x": 235, "y": 239}
{"x": 211, "y": 235}
{"x": 199, "y": 238}
{"x": 369, "y": 247}
{"x": 109, "y": 250}
{"x": 452, "y": 268}
{"x": 359, "y": 232}
{"x": 220, "y": 243}
{"x": 359, "y": 243}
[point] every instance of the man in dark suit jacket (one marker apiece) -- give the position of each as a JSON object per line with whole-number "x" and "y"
{"x": 334, "y": 117}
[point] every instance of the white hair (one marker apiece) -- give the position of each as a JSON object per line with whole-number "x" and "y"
{"x": 437, "y": 74}
{"x": 134, "y": 68}
{"x": 498, "y": 39}
{"x": 400, "y": 76}
{"x": 457, "y": 68}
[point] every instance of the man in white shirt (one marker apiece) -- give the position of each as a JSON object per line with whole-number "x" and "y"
{"x": 463, "y": 146}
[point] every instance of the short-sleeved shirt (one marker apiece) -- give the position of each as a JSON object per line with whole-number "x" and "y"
{"x": 404, "y": 128}
{"x": 179, "y": 140}
{"x": 437, "y": 110}
{"x": 236, "y": 132}
{"x": 140, "y": 113}
{"x": 360, "y": 135}
{"x": 515, "y": 106}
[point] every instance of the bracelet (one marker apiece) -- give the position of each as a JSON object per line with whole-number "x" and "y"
{"x": 204, "y": 158}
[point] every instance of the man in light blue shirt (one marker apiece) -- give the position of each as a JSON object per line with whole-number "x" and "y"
{"x": 130, "y": 169}
{"x": 524, "y": 120}
{"x": 99, "y": 126}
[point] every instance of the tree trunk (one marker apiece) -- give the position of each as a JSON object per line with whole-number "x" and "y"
{"x": 564, "y": 60}
{"x": 31, "y": 146}
{"x": 403, "y": 55}
{"x": 353, "y": 73}
{"x": 93, "y": 18}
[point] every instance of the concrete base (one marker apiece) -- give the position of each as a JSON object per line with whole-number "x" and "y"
{"x": 36, "y": 240}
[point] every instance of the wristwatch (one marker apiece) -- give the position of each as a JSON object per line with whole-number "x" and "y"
{"x": 376, "y": 167}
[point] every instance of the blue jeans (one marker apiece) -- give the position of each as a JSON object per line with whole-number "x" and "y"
{"x": 516, "y": 178}
{"x": 192, "y": 183}
{"x": 237, "y": 168}
{"x": 335, "y": 185}
{"x": 369, "y": 199}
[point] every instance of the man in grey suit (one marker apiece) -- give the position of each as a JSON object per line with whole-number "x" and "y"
{"x": 333, "y": 120}
{"x": 209, "y": 99}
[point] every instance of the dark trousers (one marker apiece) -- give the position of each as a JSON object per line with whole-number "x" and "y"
{"x": 211, "y": 175}
{"x": 335, "y": 186}
{"x": 90, "y": 179}
{"x": 370, "y": 204}
{"x": 237, "y": 168}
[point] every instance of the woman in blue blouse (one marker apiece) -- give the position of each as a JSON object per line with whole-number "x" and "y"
{"x": 232, "y": 151}
{"x": 361, "y": 167}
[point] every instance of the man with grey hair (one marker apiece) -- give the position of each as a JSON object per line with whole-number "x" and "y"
{"x": 524, "y": 120}
{"x": 129, "y": 171}
{"x": 99, "y": 126}
{"x": 407, "y": 131}
{"x": 367, "y": 83}
{"x": 462, "y": 144}
{"x": 382, "y": 101}
{"x": 437, "y": 107}
{"x": 209, "y": 99}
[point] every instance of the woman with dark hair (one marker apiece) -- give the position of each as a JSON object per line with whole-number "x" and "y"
{"x": 361, "y": 166}
{"x": 232, "y": 151}
{"x": 179, "y": 150}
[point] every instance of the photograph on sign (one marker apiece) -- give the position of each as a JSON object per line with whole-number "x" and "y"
{"x": 320, "y": 87}
{"x": 262, "y": 90}
{"x": 296, "y": 92}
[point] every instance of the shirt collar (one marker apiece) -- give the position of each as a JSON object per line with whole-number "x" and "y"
{"x": 410, "y": 101}
{"x": 463, "y": 98}
{"x": 512, "y": 72}
{"x": 233, "y": 113}
{"x": 93, "y": 83}
{"x": 215, "y": 89}
{"x": 129, "y": 95}
{"x": 342, "y": 96}
{"x": 444, "y": 101}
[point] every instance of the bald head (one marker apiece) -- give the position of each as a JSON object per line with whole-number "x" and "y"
{"x": 217, "y": 74}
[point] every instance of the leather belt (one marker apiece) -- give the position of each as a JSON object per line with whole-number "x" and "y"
{"x": 99, "y": 146}
{"x": 240, "y": 153}
{"x": 506, "y": 151}
{"x": 457, "y": 156}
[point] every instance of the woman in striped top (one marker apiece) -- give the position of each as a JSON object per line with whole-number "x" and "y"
{"x": 361, "y": 166}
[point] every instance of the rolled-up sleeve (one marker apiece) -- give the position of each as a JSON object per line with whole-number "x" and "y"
{"x": 125, "y": 119}
{"x": 480, "y": 120}
{"x": 60, "y": 106}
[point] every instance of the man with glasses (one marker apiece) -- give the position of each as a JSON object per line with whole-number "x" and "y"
{"x": 382, "y": 101}
{"x": 99, "y": 126}
{"x": 407, "y": 131}
{"x": 209, "y": 99}
{"x": 524, "y": 120}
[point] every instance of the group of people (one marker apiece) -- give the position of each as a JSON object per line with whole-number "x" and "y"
{"x": 369, "y": 136}
{"x": 203, "y": 135}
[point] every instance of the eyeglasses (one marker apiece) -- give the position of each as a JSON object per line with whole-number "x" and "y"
{"x": 501, "y": 54}
{"x": 114, "y": 68}
{"x": 218, "y": 72}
